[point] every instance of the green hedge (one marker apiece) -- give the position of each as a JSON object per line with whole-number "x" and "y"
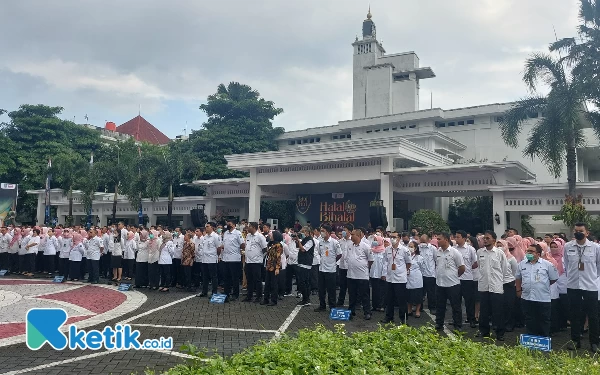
{"x": 397, "y": 350}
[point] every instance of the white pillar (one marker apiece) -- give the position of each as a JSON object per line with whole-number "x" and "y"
{"x": 255, "y": 194}
{"x": 387, "y": 195}
{"x": 498, "y": 208}
{"x": 41, "y": 209}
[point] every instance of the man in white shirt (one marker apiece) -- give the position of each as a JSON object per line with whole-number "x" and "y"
{"x": 427, "y": 251}
{"x": 449, "y": 266}
{"x": 197, "y": 267}
{"x": 492, "y": 268}
{"x": 5, "y": 239}
{"x": 95, "y": 248}
{"x": 329, "y": 253}
{"x": 345, "y": 243}
{"x": 176, "y": 270}
{"x": 32, "y": 249}
{"x": 397, "y": 262}
{"x": 233, "y": 243}
{"x": 108, "y": 243}
{"x": 210, "y": 254}
{"x": 582, "y": 266}
{"x": 468, "y": 287}
{"x": 256, "y": 246}
{"x": 314, "y": 272}
{"x": 360, "y": 259}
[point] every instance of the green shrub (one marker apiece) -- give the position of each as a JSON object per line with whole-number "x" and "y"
{"x": 429, "y": 221}
{"x": 397, "y": 350}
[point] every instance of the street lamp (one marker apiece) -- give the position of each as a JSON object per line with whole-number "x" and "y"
{"x": 497, "y": 218}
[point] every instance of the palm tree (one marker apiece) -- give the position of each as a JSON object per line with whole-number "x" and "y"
{"x": 68, "y": 170}
{"x": 556, "y": 136}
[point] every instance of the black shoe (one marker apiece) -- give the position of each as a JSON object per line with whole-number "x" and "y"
{"x": 272, "y": 304}
{"x": 367, "y": 316}
{"x": 201, "y": 295}
{"x": 387, "y": 321}
{"x": 573, "y": 345}
{"x": 263, "y": 302}
{"x": 320, "y": 308}
{"x": 340, "y": 303}
{"x": 233, "y": 298}
{"x": 257, "y": 300}
{"x": 439, "y": 328}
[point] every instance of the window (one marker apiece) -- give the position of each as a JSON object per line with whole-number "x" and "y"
{"x": 461, "y": 123}
{"x": 317, "y": 139}
{"x": 403, "y": 127}
{"x": 292, "y": 142}
{"x": 349, "y": 136}
{"x": 343, "y": 136}
{"x": 386, "y": 129}
{"x": 533, "y": 115}
{"x": 305, "y": 141}
{"x": 369, "y": 131}
{"x": 312, "y": 140}
{"x": 441, "y": 124}
{"x": 412, "y": 126}
{"x": 377, "y": 130}
{"x": 395, "y": 128}
{"x": 451, "y": 123}
{"x": 470, "y": 122}
{"x": 336, "y": 136}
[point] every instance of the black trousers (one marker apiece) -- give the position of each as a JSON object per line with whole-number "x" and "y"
{"x": 128, "y": 268}
{"x": 105, "y": 269}
{"x": 327, "y": 286}
{"x": 281, "y": 281}
{"x": 14, "y": 263}
{"x": 491, "y": 304}
{"x": 560, "y": 312}
{"x": 343, "y": 279}
{"x": 254, "y": 279}
{"x": 303, "y": 280}
{"x": 396, "y": 295}
{"x": 165, "y": 275}
{"x": 49, "y": 263}
{"x": 221, "y": 273}
{"x": 510, "y": 297}
{"x": 176, "y": 275}
{"x": 84, "y": 266}
{"x": 358, "y": 290}
{"x": 232, "y": 274}
{"x": 209, "y": 270}
{"x": 141, "y": 274}
{"x": 39, "y": 262}
{"x": 442, "y": 295}
{"x": 429, "y": 287}
{"x": 537, "y": 317}
{"x": 94, "y": 270}
{"x": 378, "y": 293}
{"x": 63, "y": 267}
{"x": 584, "y": 302}
{"x": 75, "y": 270}
{"x": 4, "y": 261}
{"x": 314, "y": 278}
{"x": 468, "y": 289}
{"x": 30, "y": 261}
{"x": 187, "y": 276}
{"x": 271, "y": 287}
{"x": 22, "y": 264}
{"x": 153, "y": 275}
{"x": 290, "y": 272}
{"x": 197, "y": 274}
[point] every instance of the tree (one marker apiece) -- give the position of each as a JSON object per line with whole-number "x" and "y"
{"x": 429, "y": 222}
{"x": 471, "y": 214}
{"x": 69, "y": 169}
{"x": 239, "y": 121}
{"x": 556, "y": 136}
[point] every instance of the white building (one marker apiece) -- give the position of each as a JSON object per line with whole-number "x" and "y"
{"x": 393, "y": 151}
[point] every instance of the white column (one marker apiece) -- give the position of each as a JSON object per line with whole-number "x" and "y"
{"x": 498, "y": 208}
{"x": 41, "y": 209}
{"x": 255, "y": 194}
{"x": 387, "y": 195}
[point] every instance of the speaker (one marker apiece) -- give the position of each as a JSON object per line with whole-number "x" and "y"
{"x": 378, "y": 217}
{"x": 198, "y": 217}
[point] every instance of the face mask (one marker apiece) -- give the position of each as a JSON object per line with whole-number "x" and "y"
{"x": 151, "y": 236}
{"x": 344, "y": 234}
{"x": 579, "y": 236}
{"x": 529, "y": 257}
{"x": 394, "y": 241}
{"x": 375, "y": 243}
{"x": 423, "y": 245}
{"x": 301, "y": 235}
{"x": 323, "y": 234}
{"x": 219, "y": 230}
{"x": 406, "y": 241}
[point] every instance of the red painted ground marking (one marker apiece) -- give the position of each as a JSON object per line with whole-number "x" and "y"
{"x": 96, "y": 299}
{"x": 15, "y": 329}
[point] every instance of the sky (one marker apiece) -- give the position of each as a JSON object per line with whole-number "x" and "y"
{"x": 111, "y": 59}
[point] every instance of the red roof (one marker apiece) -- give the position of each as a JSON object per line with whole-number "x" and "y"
{"x": 143, "y": 131}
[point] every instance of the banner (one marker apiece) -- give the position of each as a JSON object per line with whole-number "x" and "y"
{"x": 8, "y": 203}
{"x": 339, "y": 208}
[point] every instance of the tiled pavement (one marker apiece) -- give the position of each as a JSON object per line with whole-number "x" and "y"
{"x": 224, "y": 329}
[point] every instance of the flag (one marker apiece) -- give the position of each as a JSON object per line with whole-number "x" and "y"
{"x": 47, "y": 194}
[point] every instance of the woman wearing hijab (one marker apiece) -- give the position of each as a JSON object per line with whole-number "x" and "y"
{"x": 129, "y": 255}
{"x": 153, "y": 255}
{"x": 65, "y": 251}
{"x": 558, "y": 290}
{"x": 510, "y": 289}
{"x": 23, "y": 266}
{"x": 58, "y": 234}
{"x": 13, "y": 250}
{"x": 378, "y": 286}
{"x": 141, "y": 261}
{"x": 520, "y": 248}
{"x": 39, "y": 258}
{"x": 75, "y": 257}
{"x": 414, "y": 284}
{"x": 84, "y": 260}
{"x": 52, "y": 246}
{"x": 167, "y": 251}
{"x": 273, "y": 265}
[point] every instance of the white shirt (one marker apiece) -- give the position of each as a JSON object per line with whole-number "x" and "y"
{"x": 65, "y": 247}
{"x": 511, "y": 270}
{"x": 589, "y": 255}
{"x": 344, "y": 244}
{"x": 328, "y": 252}
{"x": 52, "y": 246}
{"x": 166, "y": 253}
{"x": 536, "y": 279}
{"x": 109, "y": 242}
{"x": 293, "y": 253}
{"x": 284, "y": 255}
{"x": 394, "y": 264}
{"x": 415, "y": 277}
{"x": 142, "y": 255}
{"x": 446, "y": 267}
{"x": 209, "y": 248}
{"x": 492, "y": 269}
{"x": 428, "y": 254}
{"x": 154, "y": 250}
{"x": 316, "y": 256}
{"x": 129, "y": 252}
{"x": 255, "y": 243}
{"x": 76, "y": 253}
{"x": 34, "y": 240}
{"x": 359, "y": 257}
{"x": 469, "y": 257}
{"x": 124, "y": 233}
{"x": 232, "y": 240}
{"x": 198, "y": 241}
{"x": 178, "y": 241}
{"x": 93, "y": 248}
{"x": 4, "y": 242}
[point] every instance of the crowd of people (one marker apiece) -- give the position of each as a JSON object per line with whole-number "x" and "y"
{"x": 544, "y": 284}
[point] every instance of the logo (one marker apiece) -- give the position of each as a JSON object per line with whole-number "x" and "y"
{"x": 44, "y": 326}
{"x": 303, "y": 203}
{"x": 350, "y": 207}
{"x": 8, "y": 186}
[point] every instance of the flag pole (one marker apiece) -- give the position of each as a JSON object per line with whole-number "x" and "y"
{"x": 47, "y": 218}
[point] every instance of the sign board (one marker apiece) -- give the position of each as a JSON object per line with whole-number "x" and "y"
{"x": 218, "y": 298}
{"x": 536, "y": 342}
{"x": 8, "y": 186}
{"x": 58, "y": 279}
{"x": 3, "y": 272}
{"x": 124, "y": 287}
{"x": 337, "y": 195}
{"x": 339, "y": 314}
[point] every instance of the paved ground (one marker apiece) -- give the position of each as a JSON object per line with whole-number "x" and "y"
{"x": 224, "y": 329}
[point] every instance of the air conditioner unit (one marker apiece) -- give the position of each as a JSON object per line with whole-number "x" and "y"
{"x": 274, "y": 223}
{"x": 399, "y": 224}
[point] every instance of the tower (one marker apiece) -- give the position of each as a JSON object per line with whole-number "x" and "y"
{"x": 383, "y": 85}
